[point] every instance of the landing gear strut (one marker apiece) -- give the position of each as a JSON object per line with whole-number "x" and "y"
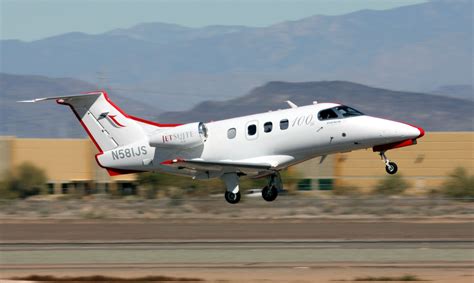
{"x": 390, "y": 167}
{"x": 232, "y": 193}
{"x": 270, "y": 192}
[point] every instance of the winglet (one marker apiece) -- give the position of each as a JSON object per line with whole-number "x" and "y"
{"x": 292, "y": 105}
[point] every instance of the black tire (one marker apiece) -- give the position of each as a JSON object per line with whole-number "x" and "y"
{"x": 269, "y": 193}
{"x": 232, "y": 198}
{"x": 391, "y": 168}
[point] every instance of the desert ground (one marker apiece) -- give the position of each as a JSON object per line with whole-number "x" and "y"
{"x": 215, "y": 242}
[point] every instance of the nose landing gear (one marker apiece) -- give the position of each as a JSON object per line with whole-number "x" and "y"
{"x": 390, "y": 167}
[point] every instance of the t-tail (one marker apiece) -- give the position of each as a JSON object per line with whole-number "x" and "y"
{"x": 109, "y": 127}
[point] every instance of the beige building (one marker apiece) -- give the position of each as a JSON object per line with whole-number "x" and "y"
{"x": 70, "y": 163}
{"x": 425, "y": 165}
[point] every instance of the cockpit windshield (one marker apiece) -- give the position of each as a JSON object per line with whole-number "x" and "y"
{"x": 346, "y": 111}
{"x": 338, "y": 112}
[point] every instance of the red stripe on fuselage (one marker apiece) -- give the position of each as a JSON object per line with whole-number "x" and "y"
{"x": 385, "y": 147}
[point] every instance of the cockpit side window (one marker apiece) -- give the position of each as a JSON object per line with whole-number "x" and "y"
{"x": 327, "y": 114}
{"x": 346, "y": 111}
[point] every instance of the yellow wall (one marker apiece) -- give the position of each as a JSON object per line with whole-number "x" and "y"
{"x": 424, "y": 165}
{"x": 5, "y": 155}
{"x": 63, "y": 160}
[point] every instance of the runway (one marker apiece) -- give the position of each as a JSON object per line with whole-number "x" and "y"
{"x": 236, "y": 253}
{"x": 201, "y": 258}
{"x": 440, "y": 252}
{"x": 233, "y": 229}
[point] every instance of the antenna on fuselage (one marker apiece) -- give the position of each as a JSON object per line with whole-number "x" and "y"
{"x": 292, "y": 105}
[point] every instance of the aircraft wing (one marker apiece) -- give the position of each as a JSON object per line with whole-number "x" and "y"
{"x": 264, "y": 163}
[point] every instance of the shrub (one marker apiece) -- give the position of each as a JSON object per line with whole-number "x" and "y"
{"x": 290, "y": 179}
{"x": 391, "y": 185}
{"x": 24, "y": 181}
{"x": 459, "y": 185}
{"x": 5, "y": 192}
{"x": 150, "y": 181}
{"x": 342, "y": 190}
{"x": 165, "y": 183}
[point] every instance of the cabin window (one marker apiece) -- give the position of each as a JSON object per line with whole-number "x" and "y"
{"x": 267, "y": 127}
{"x": 327, "y": 114}
{"x": 252, "y": 130}
{"x": 231, "y": 133}
{"x": 284, "y": 124}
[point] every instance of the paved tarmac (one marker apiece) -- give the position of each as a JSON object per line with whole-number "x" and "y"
{"x": 259, "y": 260}
{"x": 252, "y": 251}
{"x": 311, "y": 229}
{"x": 235, "y": 253}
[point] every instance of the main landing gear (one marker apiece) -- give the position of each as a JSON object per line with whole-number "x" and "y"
{"x": 270, "y": 191}
{"x": 390, "y": 167}
{"x": 232, "y": 193}
{"x": 231, "y": 197}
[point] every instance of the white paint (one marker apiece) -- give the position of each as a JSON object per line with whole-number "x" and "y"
{"x": 204, "y": 150}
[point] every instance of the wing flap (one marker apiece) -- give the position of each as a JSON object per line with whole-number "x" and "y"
{"x": 264, "y": 163}
{"x": 196, "y": 164}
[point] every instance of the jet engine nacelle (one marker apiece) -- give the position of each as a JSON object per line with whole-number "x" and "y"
{"x": 184, "y": 136}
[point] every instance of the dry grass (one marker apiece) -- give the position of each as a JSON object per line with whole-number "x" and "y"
{"x": 407, "y": 277}
{"x": 105, "y": 279}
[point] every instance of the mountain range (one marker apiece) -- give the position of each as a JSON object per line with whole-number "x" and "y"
{"x": 47, "y": 119}
{"x": 432, "y": 112}
{"x": 458, "y": 91}
{"x": 417, "y": 47}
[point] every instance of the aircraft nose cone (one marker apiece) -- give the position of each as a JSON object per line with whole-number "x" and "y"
{"x": 394, "y": 129}
{"x": 422, "y": 132}
{"x": 414, "y": 131}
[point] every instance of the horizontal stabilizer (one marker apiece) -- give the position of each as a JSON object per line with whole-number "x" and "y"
{"x": 60, "y": 97}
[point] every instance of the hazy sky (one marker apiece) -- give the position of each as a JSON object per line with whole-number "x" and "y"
{"x": 35, "y": 19}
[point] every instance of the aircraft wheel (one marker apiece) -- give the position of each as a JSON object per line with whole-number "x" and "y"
{"x": 232, "y": 198}
{"x": 391, "y": 168}
{"x": 269, "y": 193}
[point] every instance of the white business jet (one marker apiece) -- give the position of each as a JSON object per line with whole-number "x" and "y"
{"x": 257, "y": 145}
